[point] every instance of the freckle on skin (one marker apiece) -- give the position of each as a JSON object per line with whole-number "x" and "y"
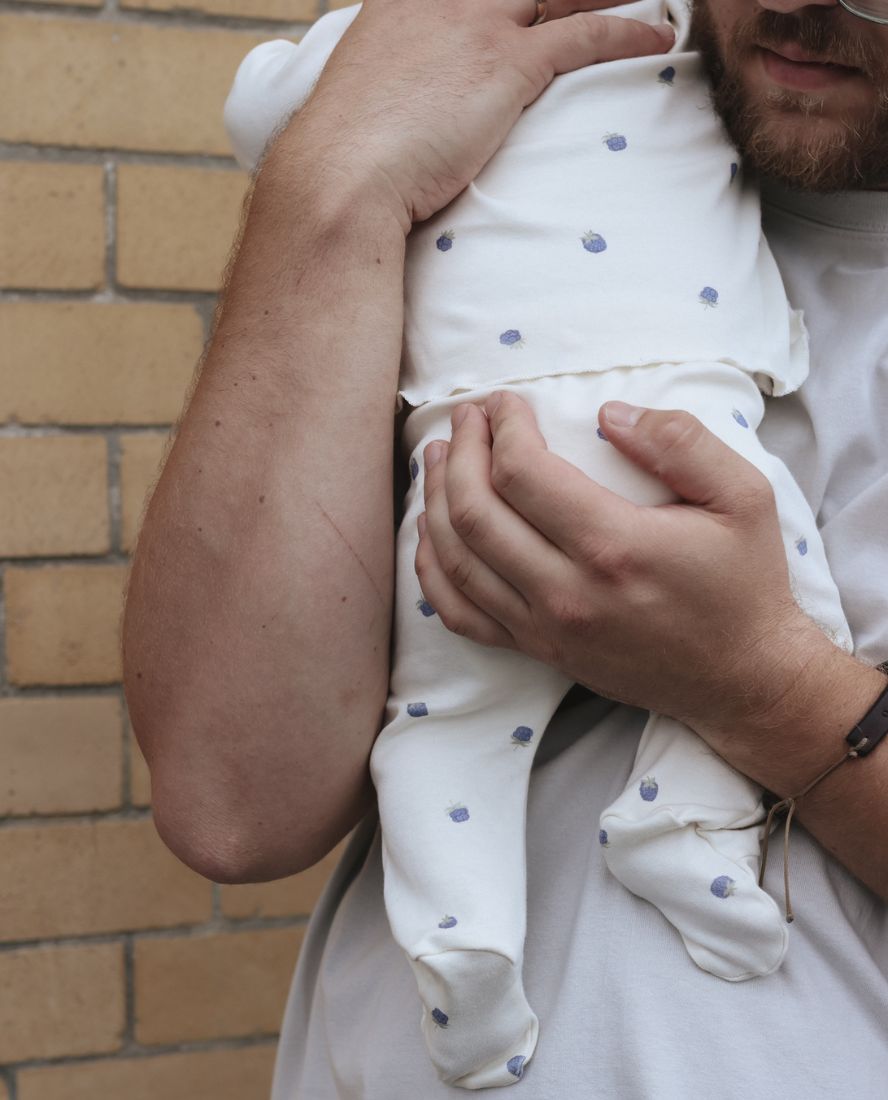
{"x": 344, "y": 598}
{"x": 218, "y": 422}
{"x": 262, "y": 500}
{"x": 138, "y": 675}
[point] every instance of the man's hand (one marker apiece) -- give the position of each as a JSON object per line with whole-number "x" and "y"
{"x": 682, "y": 608}
{"x": 417, "y": 97}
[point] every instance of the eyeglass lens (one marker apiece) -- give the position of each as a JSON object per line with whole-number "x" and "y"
{"x": 876, "y": 10}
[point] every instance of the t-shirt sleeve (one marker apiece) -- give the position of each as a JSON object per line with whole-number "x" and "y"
{"x": 274, "y": 80}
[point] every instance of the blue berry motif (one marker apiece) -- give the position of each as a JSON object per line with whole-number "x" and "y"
{"x": 602, "y": 838}
{"x": 601, "y": 435}
{"x": 709, "y": 296}
{"x": 735, "y": 168}
{"x": 426, "y": 608}
{"x": 458, "y": 813}
{"x": 440, "y": 1017}
{"x": 417, "y": 710}
{"x": 445, "y": 241}
{"x": 523, "y": 735}
{"x": 722, "y": 887}
{"x": 802, "y": 546}
{"x": 648, "y": 788}
{"x": 740, "y": 418}
{"x": 615, "y": 142}
{"x": 515, "y": 1065}
{"x": 448, "y": 922}
{"x": 667, "y": 76}
{"x": 594, "y": 242}
{"x": 511, "y": 338}
{"x": 414, "y": 468}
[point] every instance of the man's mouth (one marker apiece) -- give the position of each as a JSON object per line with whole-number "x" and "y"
{"x": 792, "y": 67}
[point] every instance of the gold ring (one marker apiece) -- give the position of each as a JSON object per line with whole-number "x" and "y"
{"x": 542, "y": 11}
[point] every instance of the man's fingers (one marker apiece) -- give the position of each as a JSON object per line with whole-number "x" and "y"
{"x": 452, "y": 558}
{"x": 482, "y": 519}
{"x": 681, "y": 452}
{"x": 566, "y": 507}
{"x": 585, "y": 38}
{"x": 455, "y": 610}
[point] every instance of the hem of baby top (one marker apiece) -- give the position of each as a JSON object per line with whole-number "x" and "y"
{"x": 474, "y": 389}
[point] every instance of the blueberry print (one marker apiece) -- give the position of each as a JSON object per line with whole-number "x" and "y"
{"x": 648, "y": 788}
{"x": 511, "y": 338}
{"x": 615, "y": 142}
{"x": 458, "y": 813}
{"x": 602, "y": 838}
{"x": 445, "y": 241}
{"x": 417, "y": 710}
{"x": 414, "y": 468}
{"x": 440, "y": 1017}
{"x": 601, "y": 435}
{"x": 515, "y": 1065}
{"x": 709, "y": 296}
{"x": 722, "y": 887}
{"x": 594, "y": 242}
{"x": 735, "y": 168}
{"x": 802, "y": 546}
{"x": 426, "y": 608}
{"x": 448, "y": 922}
{"x": 522, "y": 736}
{"x": 740, "y": 418}
{"x": 667, "y": 76}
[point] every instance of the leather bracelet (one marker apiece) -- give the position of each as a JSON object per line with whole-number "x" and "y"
{"x": 863, "y": 738}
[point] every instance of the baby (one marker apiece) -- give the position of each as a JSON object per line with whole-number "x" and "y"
{"x": 609, "y": 250}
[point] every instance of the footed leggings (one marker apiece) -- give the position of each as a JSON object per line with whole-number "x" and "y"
{"x": 452, "y": 764}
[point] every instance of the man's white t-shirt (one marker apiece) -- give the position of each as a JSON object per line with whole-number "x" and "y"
{"x": 624, "y": 1013}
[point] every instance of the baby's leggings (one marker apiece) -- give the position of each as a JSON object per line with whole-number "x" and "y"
{"x": 452, "y": 764}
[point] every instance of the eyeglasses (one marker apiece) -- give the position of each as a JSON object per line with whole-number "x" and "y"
{"x": 876, "y": 11}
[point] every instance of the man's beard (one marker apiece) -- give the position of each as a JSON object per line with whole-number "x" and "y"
{"x": 779, "y": 132}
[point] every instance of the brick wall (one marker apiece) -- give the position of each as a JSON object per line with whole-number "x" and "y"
{"x": 123, "y": 974}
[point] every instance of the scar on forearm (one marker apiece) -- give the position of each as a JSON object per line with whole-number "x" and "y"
{"x": 351, "y": 550}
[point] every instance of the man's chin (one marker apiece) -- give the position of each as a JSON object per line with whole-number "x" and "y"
{"x": 791, "y": 141}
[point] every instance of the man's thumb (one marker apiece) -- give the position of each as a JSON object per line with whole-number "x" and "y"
{"x": 677, "y": 449}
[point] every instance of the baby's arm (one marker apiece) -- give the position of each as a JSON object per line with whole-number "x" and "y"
{"x": 274, "y": 80}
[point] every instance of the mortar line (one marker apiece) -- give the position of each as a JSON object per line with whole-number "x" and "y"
{"x": 98, "y": 154}
{"x": 182, "y": 18}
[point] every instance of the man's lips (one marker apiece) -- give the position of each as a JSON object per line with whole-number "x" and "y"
{"x": 792, "y": 67}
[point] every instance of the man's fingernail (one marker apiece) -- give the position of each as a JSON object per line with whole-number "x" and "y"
{"x": 459, "y": 415}
{"x": 665, "y": 30}
{"x": 622, "y": 415}
{"x": 492, "y": 403}
{"x": 421, "y": 524}
{"x": 432, "y": 454}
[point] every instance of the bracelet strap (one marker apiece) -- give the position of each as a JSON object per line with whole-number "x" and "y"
{"x": 863, "y": 738}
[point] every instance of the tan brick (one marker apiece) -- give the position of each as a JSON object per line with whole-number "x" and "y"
{"x": 139, "y": 775}
{"x": 80, "y": 878}
{"x": 288, "y": 11}
{"x": 140, "y": 458}
{"x": 110, "y": 84}
{"x": 217, "y": 986}
{"x": 53, "y": 496}
{"x": 52, "y": 224}
{"x": 241, "y": 1074}
{"x": 61, "y": 1001}
{"x": 96, "y": 363}
{"x": 62, "y": 624}
{"x": 296, "y": 895}
{"x": 60, "y": 756}
{"x": 176, "y": 226}
{"x": 79, "y": 3}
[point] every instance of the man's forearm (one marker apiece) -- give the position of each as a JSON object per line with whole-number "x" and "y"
{"x": 803, "y": 735}
{"x": 256, "y": 633}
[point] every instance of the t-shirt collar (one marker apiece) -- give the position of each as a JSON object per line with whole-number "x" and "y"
{"x": 864, "y": 211}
